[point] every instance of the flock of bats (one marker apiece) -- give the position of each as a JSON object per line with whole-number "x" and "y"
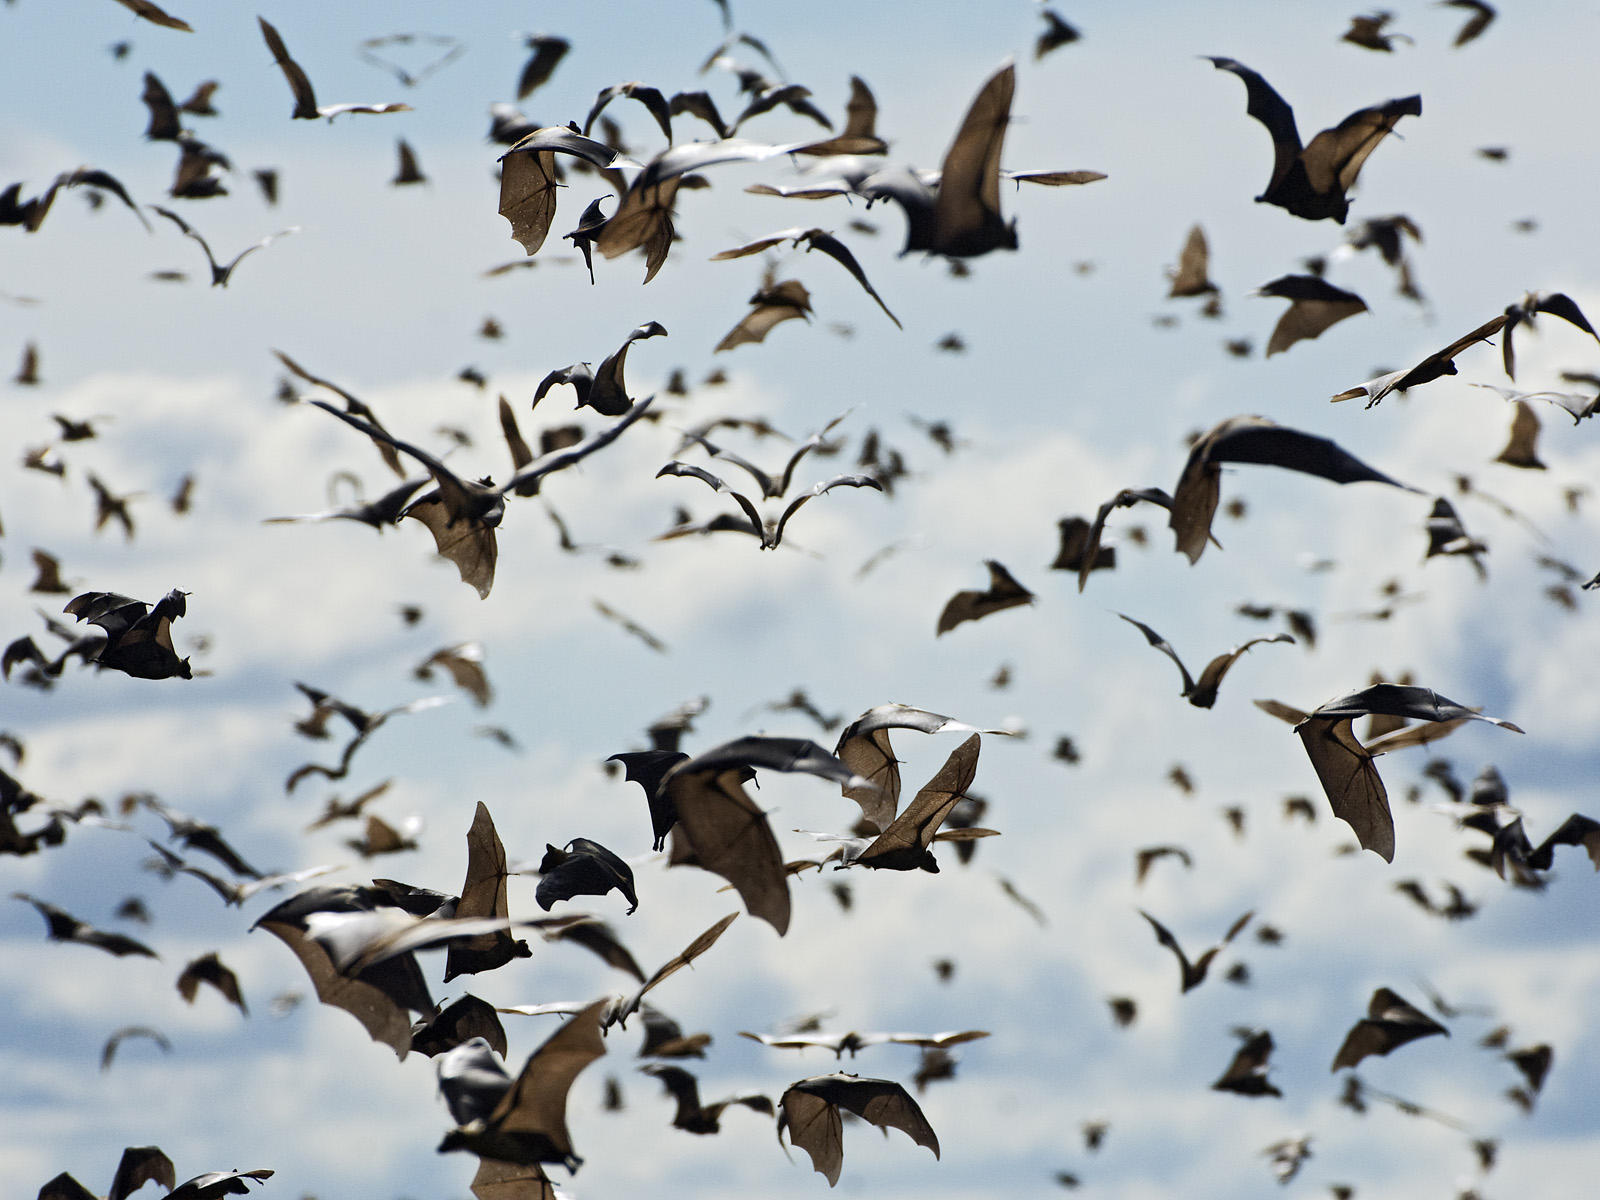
{"x": 358, "y": 943}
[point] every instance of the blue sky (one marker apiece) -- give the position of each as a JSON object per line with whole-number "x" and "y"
{"x": 1069, "y": 390}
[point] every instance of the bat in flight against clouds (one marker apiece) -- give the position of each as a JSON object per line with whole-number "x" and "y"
{"x": 809, "y": 1114}
{"x": 521, "y": 1120}
{"x": 605, "y": 390}
{"x": 1435, "y": 366}
{"x": 305, "y": 99}
{"x": 1390, "y": 1023}
{"x": 1193, "y": 974}
{"x": 483, "y": 894}
{"x": 775, "y": 302}
{"x": 1247, "y": 1073}
{"x": 220, "y": 274}
{"x": 582, "y": 868}
{"x": 813, "y": 239}
{"x": 1523, "y": 311}
{"x": 459, "y": 1022}
{"x": 865, "y": 750}
{"x": 462, "y": 514}
{"x": 1202, "y": 693}
{"x": 548, "y": 51}
{"x": 1089, "y": 553}
{"x": 529, "y": 179}
{"x": 1311, "y": 181}
{"x": 156, "y": 15}
{"x": 721, "y": 828}
{"x": 138, "y": 635}
{"x": 770, "y": 534}
{"x": 1253, "y": 440}
{"x": 62, "y": 926}
{"x": 1315, "y": 306}
{"x": 1346, "y": 768}
{"x": 692, "y": 1115}
{"x": 1002, "y": 593}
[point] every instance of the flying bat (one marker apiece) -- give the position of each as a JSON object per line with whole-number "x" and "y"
{"x": 1247, "y": 1073}
{"x": 722, "y": 829}
{"x": 770, "y": 534}
{"x": 529, "y": 178}
{"x": 1311, "y": 181}
{"x": 369, "y": 725}
{"x": 1253, "y": 440}
{"x": 1192, "y": 975}
{"x": 664, "y": 1037}
{"x": 305, "y": 99}
{"x": 605, "y": 390}
{"x": 1057, "y": 33}
{"x": 209, "y": 969}
{"x": 905, "y": 844}
{"x": 813, "y": 239}
{"x": 1435, "y": 366}
{"x": 1390, "y": 1023}
{"x": 138, "y": 635}
{"x": 1523, "y": 311}
{"x": 548, "y": 51}
{"x": 809, "y": 1114}
{"x": 1522, "y": 442}
{"x": 1576, "y": 405}
{"x": 464, "y": 662}
{"x": 61, "y": 926}
{"x": 864, "y": 748}
{"x": 860, "y": 135}
{"x": 583, "y": 868}
{"x": 692, "y": 1115}
{"x": 1478, "y": 19}
{"x": 109, "y": 1051}
{"x": 1192, "y": 276}
{"x": 1002, "y": 593}
{"x": 1346, "y": 768}
{"x": 522, "y": 1120}
{"x": 157, "y": 15}
{"x": 220, "y": 274}
{"x": 466, "y": 1018}
{"x": 1316, "y": 305}
{"x": 651, "y": 98}
{"x": 1202, "y": 693}
{"x": 213, "y": 1185}
{"x": 1367, "y": 32}
{"x": 463, "y": 514}
{"x": 773, "y": 304}
{"x": 1090, "y": 552}
{"x": 483, "y": 894}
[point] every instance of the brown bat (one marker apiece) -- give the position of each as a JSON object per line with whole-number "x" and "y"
{"x": 864, "y": 748}
{"x": 809, "y": 1113}
{"x": 529, "y": 178}
{"x": 157, "y": 15}
{"x": 1435, "y": 366}
{"x": 692, "y": 1115}
{"x": 61, "y": 926}
{"x": 1002, "y": 593}
{"x": 1311, "y": 181}
{"x": 1192, "y": 277}
{"x": 814, "y": 239}
{"x": 1522, "y": 443}
{"x": 305, "y": 99}
{"x": 1254, "y": 440}
{"x": 1202, "y": 692}
{"x": 408, "y": 171}
{"x": 773, "y": 304}
{"x": 1367, "y": 32}
{"x": 522, "y": 1120}
{"x": 1478, "y": 19}
{"x": 1523, "y": 311}
{"x": 221, "y": 273}
{"x": 108, "y": 1052}
{"x": 483, "y": 894}
{"x": 466, "y": 1018}
{"x": 1192, "y": 975}
{"x": 860, "y": 134}
{"x": 769, "y": 533}
{"x": 464, "y": 662}
{"x": 1346, "y": 768}
{"x": 1316, "y": 306}
{"x": 1247, "y": 1073}
{"x": 209, "y": 969}
{"x": 1057, "y": 33}
{"x": 1390, "y": 1023}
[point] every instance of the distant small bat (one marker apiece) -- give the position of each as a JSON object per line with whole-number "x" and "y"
{"x": 1247, "y": 1073}
{"x": 1390, "y": 1023}
{"x": 1002, "y": 593}
{"x": 305, "y": 99}
{"x": 1202, "y": 692}
{"x": 62, "y": 926}
{"x": 1193, "y": 974}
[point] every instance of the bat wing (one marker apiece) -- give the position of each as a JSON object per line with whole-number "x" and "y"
{"x": 1390, "y": 1023}
{"x": 1126, "y": 498}
{"x": 864, "y": 749}
{"x": 1350, "y": 778}
{"x": 1576, "y": 830}
{"x": 1204, "y": 693}
{"x": 903, "y": 846}
{"x": 1161, "y": 644}
{"x": 305, "y": 99}
{"x": 1193, "y": 277}
{"x": 215, "y": 1184}
{"x": 466, "y": 1018}
{"x": 766, "y": 316}
{"x": 1278, "y": 446}
{"x": 648, "y": 768}
{"x": 1316, "y": 306}
{"x": 584, "y": 868}
{"x": 512, "y": 1181}
{"x": 1003, "y": 592}
{"x": 470, "y": 545}
{"x": 1264, "y": 104}
{"x": 157, "y": 15}
{"x": 1164, "y": 936}
{"x": 729, "y": 836}
{"x": 809, "y": 1111}
{"x": 483, "y": 894}
{"x": 855, "y": 481}
{"x": 966, "y": 211}
{"x": 138, "y": 1166}
{"x": 609, "y": 394}
{"x": 596, "y": 937}
{"x": 1335, "y": 156}
{"x": 548, "y": 51}
{"x": 751, "y": 512}
{"x": 650, "y": 97}
{"x": 675, "y": 964}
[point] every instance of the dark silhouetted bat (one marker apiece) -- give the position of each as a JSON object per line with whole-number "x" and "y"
{"x": 692, "y": 1115}
{"x": 1316, "y": 305}
{"x": 157, "y": 15}
{"x": 528, "y": 178}
{"x": 1390, "y": 1023}
{"x": 583, "y": 868}
{"x": 1367, "y": 32}
{"x": 1522, "y": 312}
{"x": 648, "y": 768}
{"x": 651, "y": 98}
{"x": 1345, "y": 767}
{"x": 1254, "y": 440}
{"x": 305, "y": 99}
{"x": 1002, "y": 593}
{"x": 604, "y": 390}
{"x": 1448, "y": 536}
{"x": 209, "y": 969}
{"x": 1202, "y": 693}
{"x": 814, "y": 239}
{"x": 1057, "y": 33}
{"x": 770, "y": 534}
{"x": 138, "y": 635}
{"x": 108, "y": 1052}
{"x": 723, "y": 830}
{"x": 1479, "y": 16}
{"x": 463, "y": 514}
{"x": 1146, "y": 857}
{"x": 773, "y": 304}
{"x": 1072, "y": 551}
{"x": 483, "y": 894}
{"x": 664, "y": 1037}
{"x": 164, "y": 125}
{"x": 408, "y": 171}
{"x": 809, "y": 1113}
{"x": 1311, "y": 181}
{"x": 466, "y": 1018}
{"x": 1247, "y": 1073}
{"x": 548, "y": 51}
{"x": 371, "y": 723}
{"x": 1435, "y": 366}
{"x": 220, "y": 274}
{"x": 1192, "y": 975}
{"x": 61, "y": 926}
{"x": 1126, "y": 498}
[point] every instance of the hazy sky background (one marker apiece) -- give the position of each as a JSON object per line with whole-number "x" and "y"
{"x": 1068, "y": 391}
